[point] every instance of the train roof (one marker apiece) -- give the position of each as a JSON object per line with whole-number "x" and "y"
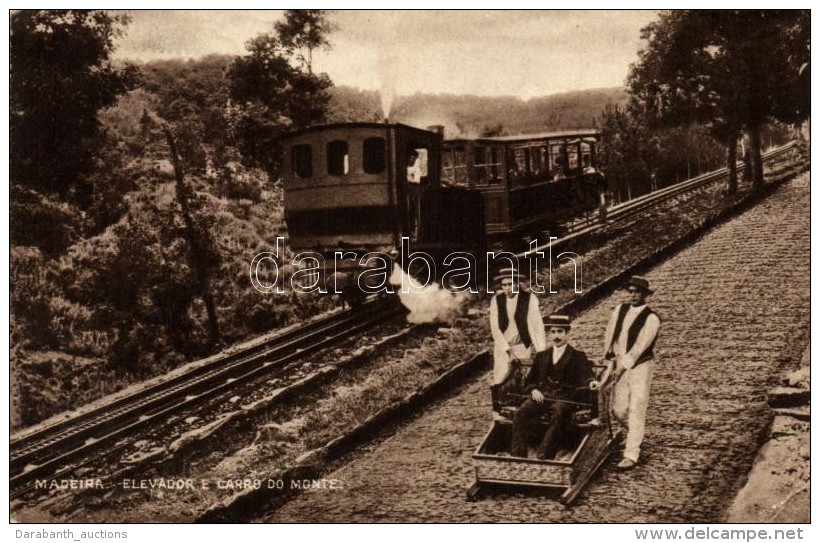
{"x": 354, "y": 125}
{"x": 539, "y": 136}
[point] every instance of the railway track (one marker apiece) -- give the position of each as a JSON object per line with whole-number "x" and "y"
{"x": 638, "y": 205}
{"x": 237, "y": 510}
{"x": 50, "y": 449}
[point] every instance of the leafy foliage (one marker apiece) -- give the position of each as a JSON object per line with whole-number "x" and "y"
{"x": 727, "y": 68}
{"x": 44, "y": 222}
{"x": 60, "y": 77}
{"x": 626, "y": 154}
{"x": 303, "y": 30}
{"x": 192, "y": 98}
{"x": 274, "y": 87}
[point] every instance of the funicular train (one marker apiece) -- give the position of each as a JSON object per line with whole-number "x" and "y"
{"x": 362, "y": 187}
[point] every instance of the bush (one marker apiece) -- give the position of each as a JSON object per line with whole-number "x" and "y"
{"x": 234, "y": 181}
{"x": 32, "y": 288}
{"x": 43, "y": 221}
{"x": 51, "y": 382}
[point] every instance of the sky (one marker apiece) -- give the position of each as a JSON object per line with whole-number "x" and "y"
{"x": 488, "y": 53}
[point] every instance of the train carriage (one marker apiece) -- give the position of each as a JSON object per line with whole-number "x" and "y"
{"x": 530, "y": 183}
{"x": 358, "y": 188}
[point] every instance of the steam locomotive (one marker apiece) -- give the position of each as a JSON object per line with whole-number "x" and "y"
{"x": 360, "y": 188}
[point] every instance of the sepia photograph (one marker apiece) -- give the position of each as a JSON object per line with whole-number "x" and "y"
{"x": 410, "y": 266}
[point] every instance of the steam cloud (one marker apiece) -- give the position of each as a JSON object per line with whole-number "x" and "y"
{"x": 389, "y": 72}
{"x": 428, "y": 303}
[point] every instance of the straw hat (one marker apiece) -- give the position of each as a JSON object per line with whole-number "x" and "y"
{"x": 507, "y": 273}
{"x": 639, "y": 282}
{"x": 558, "y": 321}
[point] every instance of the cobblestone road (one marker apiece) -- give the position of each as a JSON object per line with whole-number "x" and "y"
{"x": 731, "y": 306}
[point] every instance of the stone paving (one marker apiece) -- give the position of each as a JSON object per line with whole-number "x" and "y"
{"x": 732, "y": 305}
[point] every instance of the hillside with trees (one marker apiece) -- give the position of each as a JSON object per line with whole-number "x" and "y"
{"x": 132, "y": 236}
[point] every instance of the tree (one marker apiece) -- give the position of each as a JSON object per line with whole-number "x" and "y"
{"x": 626, "y": 153}
{"x": 61, "y": 76}
{"x": 303, "y": 30}
{"x": 724, "y": 67}
{"x": 191, "y": 96}
{"x": 203, "y": 255}
{"x": 492, "y": 131}
{"x": 685, "y": 152}
{"x": 795, "y": 107}
{"x": 274, "y": 86}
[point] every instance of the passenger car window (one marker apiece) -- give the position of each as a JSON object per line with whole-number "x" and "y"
{"x": 337, "y": 158}
{"x": 302, "y": 161}
{"x": 460, "y": 166}
{"x": 495, "y": 165}
{"x": 373, "y": 155}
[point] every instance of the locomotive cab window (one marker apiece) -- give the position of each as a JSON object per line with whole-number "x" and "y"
{"x": 373, "y": 155}
{"x": 416, "y": 164}
{"x": 337, "y": 158}
{"x": 423, "y": 161}
{"x": 302, "y": 161}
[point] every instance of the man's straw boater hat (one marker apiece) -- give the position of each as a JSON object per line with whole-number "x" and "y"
{"x": 639, "y": 282}
{"x": 558, "y": 321}
{"x": 507, "y": 273}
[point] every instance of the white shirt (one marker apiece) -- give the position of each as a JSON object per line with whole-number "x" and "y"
{"x": 557, "y": 353}
{"x": 645, "y": 337}
{"x": 509, "y": 337}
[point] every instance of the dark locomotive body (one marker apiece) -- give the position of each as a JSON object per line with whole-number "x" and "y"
{"x": 348, "y": 190}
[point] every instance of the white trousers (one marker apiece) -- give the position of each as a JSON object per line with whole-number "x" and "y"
{"x": 501, "y": 361}
{"x": 629, "y": 402}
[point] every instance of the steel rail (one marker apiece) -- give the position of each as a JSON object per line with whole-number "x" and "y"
{"x": 43, "y": 451}
{"x": 642, "y": 203}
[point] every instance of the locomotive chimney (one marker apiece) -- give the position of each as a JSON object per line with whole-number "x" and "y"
{"x": 437, "y": 128}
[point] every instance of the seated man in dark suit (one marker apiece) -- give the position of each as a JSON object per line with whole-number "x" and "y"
{"x": 557, "y": 384}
